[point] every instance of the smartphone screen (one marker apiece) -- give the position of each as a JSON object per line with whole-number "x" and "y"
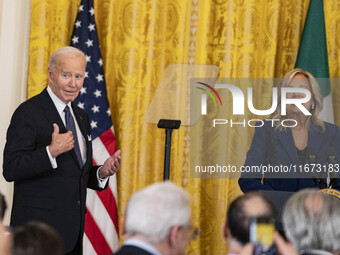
{"x": 261, "y": 234}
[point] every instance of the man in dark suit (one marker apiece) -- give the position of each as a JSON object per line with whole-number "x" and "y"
{"x": 48, "y": 153}
{"x": 157, "y": 221}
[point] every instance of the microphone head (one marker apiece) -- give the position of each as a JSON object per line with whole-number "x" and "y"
{"x": 331, "y": 160}
{"x": 331, "y": 155}
{"x": 310, "y": 154}
{"x": 310, "y": 158}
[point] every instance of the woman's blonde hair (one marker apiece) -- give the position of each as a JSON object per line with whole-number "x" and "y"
{"x": 316, "y": 96}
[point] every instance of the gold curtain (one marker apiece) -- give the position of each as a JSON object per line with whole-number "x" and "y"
{"x": 244, "y": 38}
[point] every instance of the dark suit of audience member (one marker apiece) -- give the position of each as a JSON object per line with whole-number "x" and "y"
{"x": 130, "y": 249}
{"x": 40, "y": 155}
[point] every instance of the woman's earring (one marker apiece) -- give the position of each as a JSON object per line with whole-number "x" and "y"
{"x": 312, "y": 107}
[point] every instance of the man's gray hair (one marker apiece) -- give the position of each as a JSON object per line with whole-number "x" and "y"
{"x": 67, "y": 51}
{"x": 154, "y": 210}
{"x": 312, "y": 221}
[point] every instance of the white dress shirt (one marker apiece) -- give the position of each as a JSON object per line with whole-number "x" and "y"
{"x": 60, "y": 105}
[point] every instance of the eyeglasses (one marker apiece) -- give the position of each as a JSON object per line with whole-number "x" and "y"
{"x": 194, "y": 231}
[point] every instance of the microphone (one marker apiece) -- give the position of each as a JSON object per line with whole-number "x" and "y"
{"x": 311, "y": 159}
{"x": 310, "y": 155}
{"x": 331, "y": 160}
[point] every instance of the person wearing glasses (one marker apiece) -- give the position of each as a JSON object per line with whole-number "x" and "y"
{"x": 158, "y": 221}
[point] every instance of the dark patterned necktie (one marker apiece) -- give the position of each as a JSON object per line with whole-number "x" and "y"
{"x": 70, "y": 125}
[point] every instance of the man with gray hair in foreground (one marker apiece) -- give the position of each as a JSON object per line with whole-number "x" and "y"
{"x": 157, "y": 221}
{"x": 312, "y": 222}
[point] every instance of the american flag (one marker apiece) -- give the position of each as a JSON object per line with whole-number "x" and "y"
{"x": 101, "y": 222}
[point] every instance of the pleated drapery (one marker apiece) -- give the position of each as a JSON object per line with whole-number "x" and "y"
{"x": 139, "y": 39}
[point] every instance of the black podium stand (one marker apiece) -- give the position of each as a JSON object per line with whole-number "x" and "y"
{"x": 169, "y": 126}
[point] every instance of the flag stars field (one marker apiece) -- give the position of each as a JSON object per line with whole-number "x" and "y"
{"x": 81, "y": 105}
{"x": 99, "y": 78}
{"x": 89, "y": 43}
{"x": 95, "y": 108}
{"x": 93, "y": 124}
{"x": 83, "y": 90}
{"x": 97, "y": 93}
{"x": 75, "y": 39}
{"x": 78, "y": 24}
{"x": 91, "y": 27}
{"x": 91, "y": 11}
{"x": 81, "y": 8}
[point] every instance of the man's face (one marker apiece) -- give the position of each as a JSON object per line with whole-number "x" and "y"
{"x": 67, "y": 78}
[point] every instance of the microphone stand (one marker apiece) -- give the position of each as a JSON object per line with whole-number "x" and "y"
{"x": 311, "y": 159}
{"x": 331, "y": 161}
{"x": 169, "y": 126}
{"x": 323, "y": 184}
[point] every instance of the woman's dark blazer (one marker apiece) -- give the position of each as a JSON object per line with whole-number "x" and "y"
{"x": 271, "y": 147}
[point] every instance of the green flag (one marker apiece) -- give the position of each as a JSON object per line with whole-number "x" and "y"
{"x": 313, "y": 56}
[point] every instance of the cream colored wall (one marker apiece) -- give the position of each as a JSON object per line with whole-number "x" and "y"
{"x": 14, "y": 42}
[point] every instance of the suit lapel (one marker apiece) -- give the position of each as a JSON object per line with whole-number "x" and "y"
{"x": 51, "y": 113}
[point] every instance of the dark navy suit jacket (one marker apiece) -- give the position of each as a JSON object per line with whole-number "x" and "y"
{"x": 131, "y": 250}
{"x": 271, "y": 147}
{"x": 54, "y": 196}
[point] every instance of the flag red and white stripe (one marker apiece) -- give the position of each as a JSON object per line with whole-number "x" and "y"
{"x": 101, "y": 220}
{"x": 101, "y": 225}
